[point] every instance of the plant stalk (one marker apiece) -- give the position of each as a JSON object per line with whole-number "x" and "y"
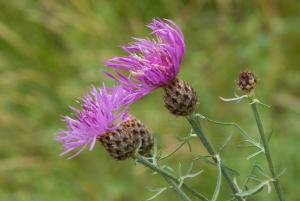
{"x": 172, "y": 180}
{"x": 195, "y": 123}
{"x": 267, "y": 152}
{"x": 181, "y": 194}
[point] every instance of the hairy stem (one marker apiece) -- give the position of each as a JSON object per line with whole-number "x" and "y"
{"x": 267, "y": 151}
{"x": 195, "y": 123}
{"x": 170, "y": 178}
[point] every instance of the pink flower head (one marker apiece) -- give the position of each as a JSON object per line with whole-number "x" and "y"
{"x": 151, "y": 63}
{"x": 103, "y": 110}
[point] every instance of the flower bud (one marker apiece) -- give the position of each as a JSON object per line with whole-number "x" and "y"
{"x": 124, "y": 141}
{"x": 141, "y": 134}
{"x": 180, "y": 98}
{"x": 120, "y": 144}
{"x": 246, "y": 81}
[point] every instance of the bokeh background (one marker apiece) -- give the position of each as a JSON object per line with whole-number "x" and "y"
{"x": 51, "y": 52}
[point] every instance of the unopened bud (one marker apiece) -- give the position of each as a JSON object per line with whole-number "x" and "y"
{"x": 246, "y": 81}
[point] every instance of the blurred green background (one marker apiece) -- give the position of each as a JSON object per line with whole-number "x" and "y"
{"x": 52, "y": 51}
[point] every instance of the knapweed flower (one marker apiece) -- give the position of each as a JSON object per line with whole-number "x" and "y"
{"x": 246, "y": 81}
{"x": 153, "y": 63}
{"x": 104, "y": 117}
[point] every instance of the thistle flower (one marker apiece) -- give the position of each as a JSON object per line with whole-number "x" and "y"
{"x": 104, "y": 110}
{"x": 153, "y": 63}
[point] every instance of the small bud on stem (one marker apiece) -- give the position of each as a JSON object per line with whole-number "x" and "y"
{"x": 246, "y": 81}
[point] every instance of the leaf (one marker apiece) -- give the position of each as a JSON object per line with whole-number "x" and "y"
{"x": 254, "y": 178}
{"x": 254, "y": 154}
{"x": 270, "y": 136}
{"x": 181, "y": 139}
{"x": 159, "y": 191}
{"x": 259, "y": 102}
{"x": 192, "y": 175}
{"x": 225, "y": 142}
{"x": 281, "y": 173}
{"x": 188, "y": 174}
{"x": 189, "y": 146}
{"x": 218, "y": 185}
{"x": 253, "y": 190}
{"x": 168, "y": 168}
{"x": 155, "y": 189}
{"x": 232, "y": 171}
{"x": 245, "y": 145}
{"x": 179, "y": 169}
{"x": 231, "y": 199}
{"x": 269, "y": 187}
{"x": 173, "y": 152}
{"x": 261, "y": 171}
{"x": 205, "y": 159}
{"x": 200, "y": 116}
{"x": 236, "y": 99}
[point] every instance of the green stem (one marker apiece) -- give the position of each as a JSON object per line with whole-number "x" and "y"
{"x": 169, "y": 176}
{"x": 194, "y": 121}
{"x": 267, "y": 152}
{"x": 177, "y": 189}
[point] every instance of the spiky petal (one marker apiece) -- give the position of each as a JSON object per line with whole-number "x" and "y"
{"x": 102, "y": 110}
{"x": 151, "y": 63}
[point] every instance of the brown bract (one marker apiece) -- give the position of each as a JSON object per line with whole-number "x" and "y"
{"x": 141, "y": 134}
{"x": 246, "y": 81}
{"x": 123, "y": 142}
{"x": 180, "y": 98}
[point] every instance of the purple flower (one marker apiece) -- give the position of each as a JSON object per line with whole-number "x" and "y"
{"x": 103, "y": 110}
{"x": 151, "y": 63}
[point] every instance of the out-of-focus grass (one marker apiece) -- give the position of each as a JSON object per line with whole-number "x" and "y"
{"x": 52, "y": 51}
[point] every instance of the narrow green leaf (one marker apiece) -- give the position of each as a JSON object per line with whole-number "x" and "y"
{"x": 270, "y": 136}
{"x": 281, "y": 173}
{"x": 179, "y": 169}
{"x": 227, "y": 140}
{"x": 253, "y": 190}
{"x": 218, "y": 185}
{"x": 232, "y": 171}
{"x": 205, "y": 159}
{"x": 261, "y": 171}
{"x": 254, "y": 154}
{"x": 158, "y": 193}
{"x": 190, "y": 168}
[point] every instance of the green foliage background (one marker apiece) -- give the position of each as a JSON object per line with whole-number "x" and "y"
{"x": 52, "y": 51}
